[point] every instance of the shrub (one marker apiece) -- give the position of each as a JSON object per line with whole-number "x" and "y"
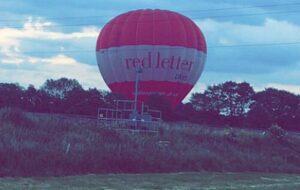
{"x": 275, "y": 131}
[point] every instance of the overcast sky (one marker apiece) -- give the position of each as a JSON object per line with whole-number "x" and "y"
{"x": 255, "y": 41}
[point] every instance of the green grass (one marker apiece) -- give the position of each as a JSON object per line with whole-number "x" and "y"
{"x": 183, "y": 181}
{"x": 38, "y": 146}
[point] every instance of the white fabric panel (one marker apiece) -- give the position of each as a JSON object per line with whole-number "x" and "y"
{"x": 159, "y": 63}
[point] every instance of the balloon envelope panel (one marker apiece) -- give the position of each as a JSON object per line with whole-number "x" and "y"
{"x": 168, "y": 46}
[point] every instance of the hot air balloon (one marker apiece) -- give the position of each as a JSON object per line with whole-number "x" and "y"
{"x": 169, "y": 48}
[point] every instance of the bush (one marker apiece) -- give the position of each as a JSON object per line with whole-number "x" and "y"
{"x": 275, "y": 131}
{"x": 16, "y": 117}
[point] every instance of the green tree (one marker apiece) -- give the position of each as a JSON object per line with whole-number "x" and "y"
{"x": 30, "y": 98}
{"x": 87, "y": 102}
{"x": 282, "y": 106}
{"x": 229, "y": 99}
{"x": 60, "y": 87}
{"x": 11, "y": 95}
{"x": 57, "y": 91}
{"x": 258, "y": 117}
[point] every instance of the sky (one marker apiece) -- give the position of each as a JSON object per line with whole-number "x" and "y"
{"x": 254, "y": 41}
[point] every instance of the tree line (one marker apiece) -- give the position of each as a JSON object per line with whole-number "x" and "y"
{"x": 230, "y": 103}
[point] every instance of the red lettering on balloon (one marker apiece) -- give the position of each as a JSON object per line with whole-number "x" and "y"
{"x": 170, "y": 62}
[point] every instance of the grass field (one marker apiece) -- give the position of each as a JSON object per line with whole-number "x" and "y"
{"x": 56, "y": 145}
{"x": 188, "y": 181}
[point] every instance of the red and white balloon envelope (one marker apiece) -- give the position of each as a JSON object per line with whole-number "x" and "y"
{"x": 169, "y": 47}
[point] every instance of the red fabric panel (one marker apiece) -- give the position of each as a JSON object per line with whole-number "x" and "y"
{"x": 169, "y": 90}
{"x": 151, "y": 27}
